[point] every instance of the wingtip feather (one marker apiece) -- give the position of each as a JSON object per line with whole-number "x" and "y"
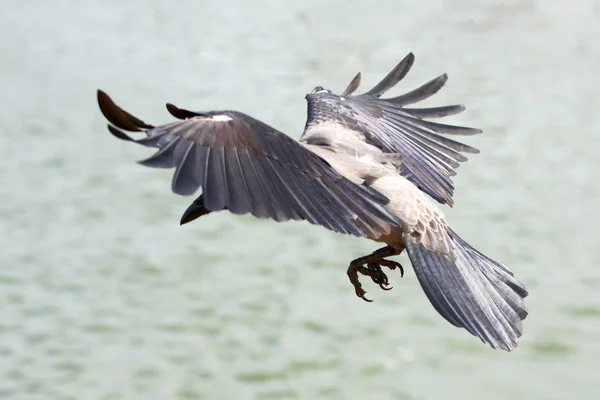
{"x": 392, "y": 78}
{"x": 117, "y": 116}
{"x": 352, "y": 86}
{"x": 119, "y": 134}
{"x": 181, "y": 113}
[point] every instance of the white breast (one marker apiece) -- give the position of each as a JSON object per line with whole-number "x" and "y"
{"x": 417, "y": 213}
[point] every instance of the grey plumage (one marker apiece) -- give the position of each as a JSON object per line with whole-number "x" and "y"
{"x": 429, "y": 159}
{"x": 246, "y": 166}
{"x": 365, "y": 166}
{"x": 471, "y": 291}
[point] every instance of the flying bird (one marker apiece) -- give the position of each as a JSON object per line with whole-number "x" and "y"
{"x": 365, "y": 166}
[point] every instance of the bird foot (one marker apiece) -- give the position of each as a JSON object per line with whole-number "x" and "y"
{"x": 374, "y": 271}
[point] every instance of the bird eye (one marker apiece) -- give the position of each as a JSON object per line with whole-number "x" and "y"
{"x": 317, "y": 89}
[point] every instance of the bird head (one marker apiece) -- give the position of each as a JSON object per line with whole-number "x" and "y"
{"x": 318, "y": 89}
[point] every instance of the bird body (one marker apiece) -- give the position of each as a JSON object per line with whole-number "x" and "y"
{"x": 382, "y": 176}
{"x": 364, "y": 166}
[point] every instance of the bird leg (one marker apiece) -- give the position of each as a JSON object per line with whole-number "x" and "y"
{"x": 373, "y": 263}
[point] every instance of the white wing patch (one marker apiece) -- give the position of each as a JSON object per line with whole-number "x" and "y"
{"x": 221, "y": 117}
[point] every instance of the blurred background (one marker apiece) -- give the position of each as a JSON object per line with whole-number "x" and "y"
{"x": 104, "y": 296}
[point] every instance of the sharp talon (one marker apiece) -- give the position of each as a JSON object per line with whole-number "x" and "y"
{"x": 400, "y": 268}
{"x": 393, "y": 265}
{"x": 353, "y": 271}
{"x": 376, "y": 274}
{"x": 361, "y": 293}
{"x": 380, "y": 280}
{"x": 373, "y": 270}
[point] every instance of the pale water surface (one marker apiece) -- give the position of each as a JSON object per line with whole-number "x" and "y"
{"x": 104, "y": 296}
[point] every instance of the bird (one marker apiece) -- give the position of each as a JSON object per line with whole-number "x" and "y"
{"x": 365, "y": 166}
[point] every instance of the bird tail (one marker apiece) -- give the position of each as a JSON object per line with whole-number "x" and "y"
{"x": 472, "y": 291}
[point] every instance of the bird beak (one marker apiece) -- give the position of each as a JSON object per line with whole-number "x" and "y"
{"x": 193, "y": 212}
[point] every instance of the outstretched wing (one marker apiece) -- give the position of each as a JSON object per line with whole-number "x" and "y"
{"x": 246, "y": 166}
{"x": 429, "y": 158}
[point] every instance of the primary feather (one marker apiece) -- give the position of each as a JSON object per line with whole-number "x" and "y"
{"x": 429, "y": 158}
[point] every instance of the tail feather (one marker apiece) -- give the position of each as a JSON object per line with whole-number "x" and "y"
{"x": 472, "y": 291}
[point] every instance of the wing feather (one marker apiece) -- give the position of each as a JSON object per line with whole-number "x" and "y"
{"x": 428, "y": 158}
{"x": 246, "y": 166}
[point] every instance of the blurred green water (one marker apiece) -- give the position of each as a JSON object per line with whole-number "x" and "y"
{"x": 104, "y": 296}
